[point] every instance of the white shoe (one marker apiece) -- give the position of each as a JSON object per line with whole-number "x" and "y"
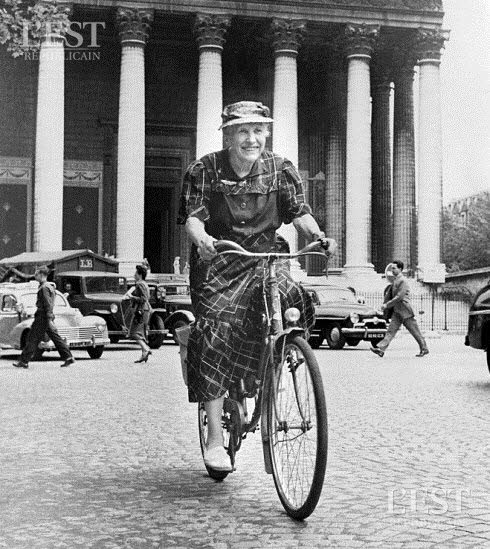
{"x": 217, "y": 459}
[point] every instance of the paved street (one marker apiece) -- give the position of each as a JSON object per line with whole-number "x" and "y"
{"x": 105, "y": 454}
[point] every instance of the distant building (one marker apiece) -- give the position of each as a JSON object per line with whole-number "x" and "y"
{"x": 461, "y": 209}
{"x": 96, "y": 130}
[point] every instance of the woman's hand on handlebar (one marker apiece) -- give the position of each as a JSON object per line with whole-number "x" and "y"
{"x": 328, "y": 244}
{"x": 206, "y": 248}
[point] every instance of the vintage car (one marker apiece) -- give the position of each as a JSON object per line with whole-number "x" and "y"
{"x": 341, "y": 319}
{"x": 17, "y": 308}
{"x": 179, "y": 308}
{"x": 478, "y": 335}
{"x": 103, "y": 294}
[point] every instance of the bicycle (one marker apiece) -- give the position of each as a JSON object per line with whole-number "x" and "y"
{"x": 289, "y": 401}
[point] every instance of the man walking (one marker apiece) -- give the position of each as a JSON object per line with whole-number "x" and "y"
{"x": 43, "y": 323}
{"x": 402, "y": 314}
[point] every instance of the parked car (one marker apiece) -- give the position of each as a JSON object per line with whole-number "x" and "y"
{"x": 341, "y": 319}
{"x": 17, "y": 308}
{"x": 179, "y": 311}
{"x": 177, "y": 302}
{"x": 102, "y": 294}
{"x": 478, "y": 335}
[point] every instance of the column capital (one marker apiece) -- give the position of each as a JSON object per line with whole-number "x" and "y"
{"x": 210, "y": 30}
{"x": 429, "y": 43}
{"x": 288, "y": 35}
{"x": 360, "y": 39}
{"x": 404, "y": 57}
{"x": 134, "y": 25}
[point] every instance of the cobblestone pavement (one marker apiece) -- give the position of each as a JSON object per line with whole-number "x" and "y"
{"x": 105, "y": 454}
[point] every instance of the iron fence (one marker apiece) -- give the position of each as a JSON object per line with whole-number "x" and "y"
{"x": 433, "y": 311}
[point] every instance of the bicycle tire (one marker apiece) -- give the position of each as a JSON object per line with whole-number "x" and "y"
{"x": 298, "y": 483}
{"x": 203, "y": 430}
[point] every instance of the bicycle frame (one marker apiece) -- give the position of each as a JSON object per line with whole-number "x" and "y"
{"x": 276, "y": 336}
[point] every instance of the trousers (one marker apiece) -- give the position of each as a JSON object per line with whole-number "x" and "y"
{"x": 43, "y": 325}
{"x": 396, "y": 323}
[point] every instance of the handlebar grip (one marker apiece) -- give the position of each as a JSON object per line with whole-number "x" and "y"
{"x": 228, "y": 245}
{"x": 311, "y": 246}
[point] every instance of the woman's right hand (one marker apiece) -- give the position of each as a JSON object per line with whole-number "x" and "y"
{"x": 206, "y": 248}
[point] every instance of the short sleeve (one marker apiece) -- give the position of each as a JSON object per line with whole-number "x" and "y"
{"x": 195, "y": 195}
{"x": 292, "y": 202}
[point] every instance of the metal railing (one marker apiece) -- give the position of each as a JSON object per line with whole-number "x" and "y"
{"x": 432, "y": 311}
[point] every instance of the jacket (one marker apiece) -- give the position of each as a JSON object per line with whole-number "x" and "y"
{"x": 400, "y": 301}
{"x": 46, "y": 295}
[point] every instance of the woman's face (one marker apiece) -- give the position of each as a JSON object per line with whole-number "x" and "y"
{"x": 137, "y": 276}
{"x": 247, "y": 141}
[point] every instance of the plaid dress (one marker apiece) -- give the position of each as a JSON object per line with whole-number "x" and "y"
{"x": 228, "y": 293}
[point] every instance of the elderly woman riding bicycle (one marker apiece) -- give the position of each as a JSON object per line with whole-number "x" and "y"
{"x": 242, "y": 193}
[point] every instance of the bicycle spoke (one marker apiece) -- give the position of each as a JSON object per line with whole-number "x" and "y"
{"x": 298, "y": 430}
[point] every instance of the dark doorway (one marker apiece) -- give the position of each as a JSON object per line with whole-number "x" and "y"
{"x": 164, "y": 239}
{"x": 160, "y": 216}
{"x": 13, "y": 215}
{"x": 80, "y": 218}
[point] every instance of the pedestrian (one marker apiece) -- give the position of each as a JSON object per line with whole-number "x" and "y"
{"x": 44, "y": 323}
{"x": 141, "y": 317}
{"x": 398, "y": 303}
{"x": 242, "y": 193}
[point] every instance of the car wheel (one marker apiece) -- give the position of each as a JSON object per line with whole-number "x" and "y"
{"x": 114, "y": 339}
{"x": 95, "y": 352}
{"x": 352, "y": 342}
{"x": 315, "y": 341}
{"x": 155, "y": 341}
{"x": 334, "y": 336}
{"x": 178, "y": 324}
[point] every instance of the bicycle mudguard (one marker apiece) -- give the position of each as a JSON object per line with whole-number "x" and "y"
{"x": 286, "y": 334}
{"x": 265, "y": 434}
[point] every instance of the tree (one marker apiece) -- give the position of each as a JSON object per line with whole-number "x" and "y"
{"x": 467, "y": 246}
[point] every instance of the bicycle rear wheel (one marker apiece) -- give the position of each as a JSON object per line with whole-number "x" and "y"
{"x": 297, "y": 426}
{"x": 203, "y": 438}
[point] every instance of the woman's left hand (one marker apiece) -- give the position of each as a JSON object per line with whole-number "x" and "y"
{"x": 329, "y": 245}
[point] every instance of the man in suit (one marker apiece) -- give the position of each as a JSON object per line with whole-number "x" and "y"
{"x": 43, "y": 323}
{"x": 402, "y": 313}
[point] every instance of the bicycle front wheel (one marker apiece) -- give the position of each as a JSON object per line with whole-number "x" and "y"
{"x": 297, "y": 426}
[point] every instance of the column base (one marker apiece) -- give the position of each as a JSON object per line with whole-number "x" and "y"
{"x": 431, "y": 273}
{"x": 365, "y": 269}
{"x": 297, "y": 273}
{"x": 363, "y": 278}
{"x": 128, "y": 266}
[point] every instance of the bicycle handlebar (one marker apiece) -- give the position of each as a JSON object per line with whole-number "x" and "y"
{"x": 228, "y": 246}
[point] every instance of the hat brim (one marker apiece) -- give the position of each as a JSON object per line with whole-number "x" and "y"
{"x": 252, "y": 119}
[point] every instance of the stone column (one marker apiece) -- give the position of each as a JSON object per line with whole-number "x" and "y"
{"x": 382, "y": 227}
{"x": 335, "y": 166}
{"x": 404, "y": 218}
{"x": 50, "y": 133}
{"x": 287, "y": 37}
{"x": 210, "y": 33}
{"x": 360, "y": 41}
{"x": 134, "y": 27}
{"x": 430, "y": 43}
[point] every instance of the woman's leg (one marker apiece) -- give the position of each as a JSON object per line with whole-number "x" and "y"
{"x": 214, "y": 409}
{"x": 143, "y": 345}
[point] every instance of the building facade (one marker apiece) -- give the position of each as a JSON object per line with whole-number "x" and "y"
{"x": 96, "y": 130}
